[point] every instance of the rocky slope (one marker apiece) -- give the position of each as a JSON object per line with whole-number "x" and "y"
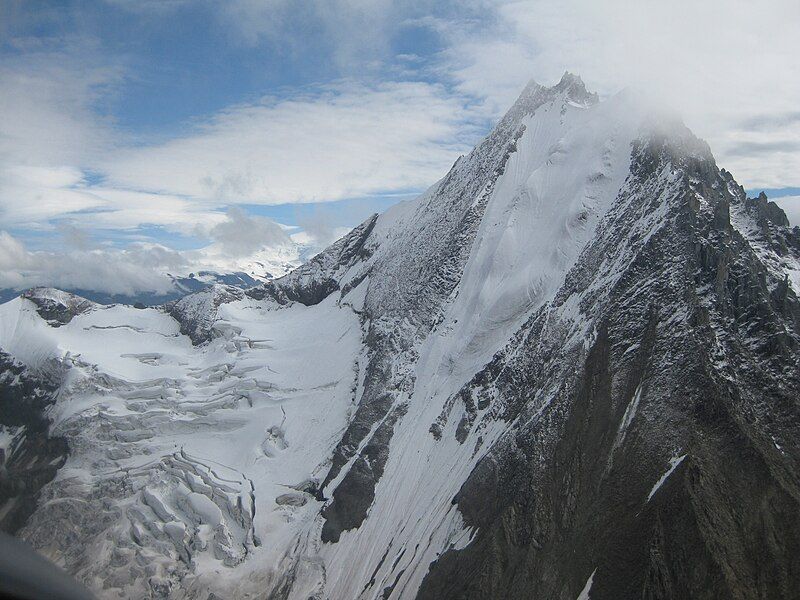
{"x": 568, "y": 370}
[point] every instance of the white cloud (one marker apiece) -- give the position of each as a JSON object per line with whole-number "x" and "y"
{"x": 128, "y": 209}
{"x": 242, "y": 235}
{"x": 353, "y": 34}
{"x": 50, "y": 131}
{"x": 138, "y": 268}
{"x": 31, "y": 195}
{"x": 48, "y": 101}
{"x": 74, "y": 237}
{"x": 345, "y": 141}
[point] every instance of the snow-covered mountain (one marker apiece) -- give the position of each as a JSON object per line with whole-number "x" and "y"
{"x": 569, "y": 369}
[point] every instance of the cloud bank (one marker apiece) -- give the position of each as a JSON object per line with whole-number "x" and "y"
{"x": 242, "y": 235}
{"x": 80, "y": 263}
{"x": 141, "y": 267}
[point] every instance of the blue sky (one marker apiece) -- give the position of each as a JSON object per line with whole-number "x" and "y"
{"x": 140, "y": 123}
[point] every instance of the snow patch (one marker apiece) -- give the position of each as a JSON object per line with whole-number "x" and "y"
{"x": 673, "y": 462}
{"x": 584, "y": 595}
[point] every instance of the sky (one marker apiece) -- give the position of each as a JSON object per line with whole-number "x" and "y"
{"x": 135, "y": 132}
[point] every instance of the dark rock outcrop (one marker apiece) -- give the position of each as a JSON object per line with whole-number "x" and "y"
{"x": 32, "y": 456}
{"x": 197, "y": 312}
{"x": 56, "y": 307}
{"x": 314, "y": 281}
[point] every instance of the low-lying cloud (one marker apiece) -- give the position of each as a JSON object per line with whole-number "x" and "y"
{"x": 138, "y": 267}
{"x": 141, "y": 267}
{"x": 242, "y": 235}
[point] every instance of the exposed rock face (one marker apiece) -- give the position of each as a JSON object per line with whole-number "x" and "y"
{"x": 197, "y": 313}
{"x": 57, "y": 307}
{"x": 314, "y": 281}
{"x": 29, "y": 456}
{"x": 569, "y": 369}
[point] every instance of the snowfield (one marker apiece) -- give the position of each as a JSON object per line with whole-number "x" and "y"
{"x": 195, "y": 431}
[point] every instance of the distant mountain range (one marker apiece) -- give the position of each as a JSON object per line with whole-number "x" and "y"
{"x": 241, "y": 272}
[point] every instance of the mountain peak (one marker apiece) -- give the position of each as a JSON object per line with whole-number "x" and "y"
{"x": 571, "y": 86}
{"x": 575, "y": 89}
{"x": 568, "y": 79}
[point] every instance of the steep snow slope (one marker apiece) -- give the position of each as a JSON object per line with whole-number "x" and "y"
{"x": 532, "y": 381}
{"x": 538, "y": 214}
